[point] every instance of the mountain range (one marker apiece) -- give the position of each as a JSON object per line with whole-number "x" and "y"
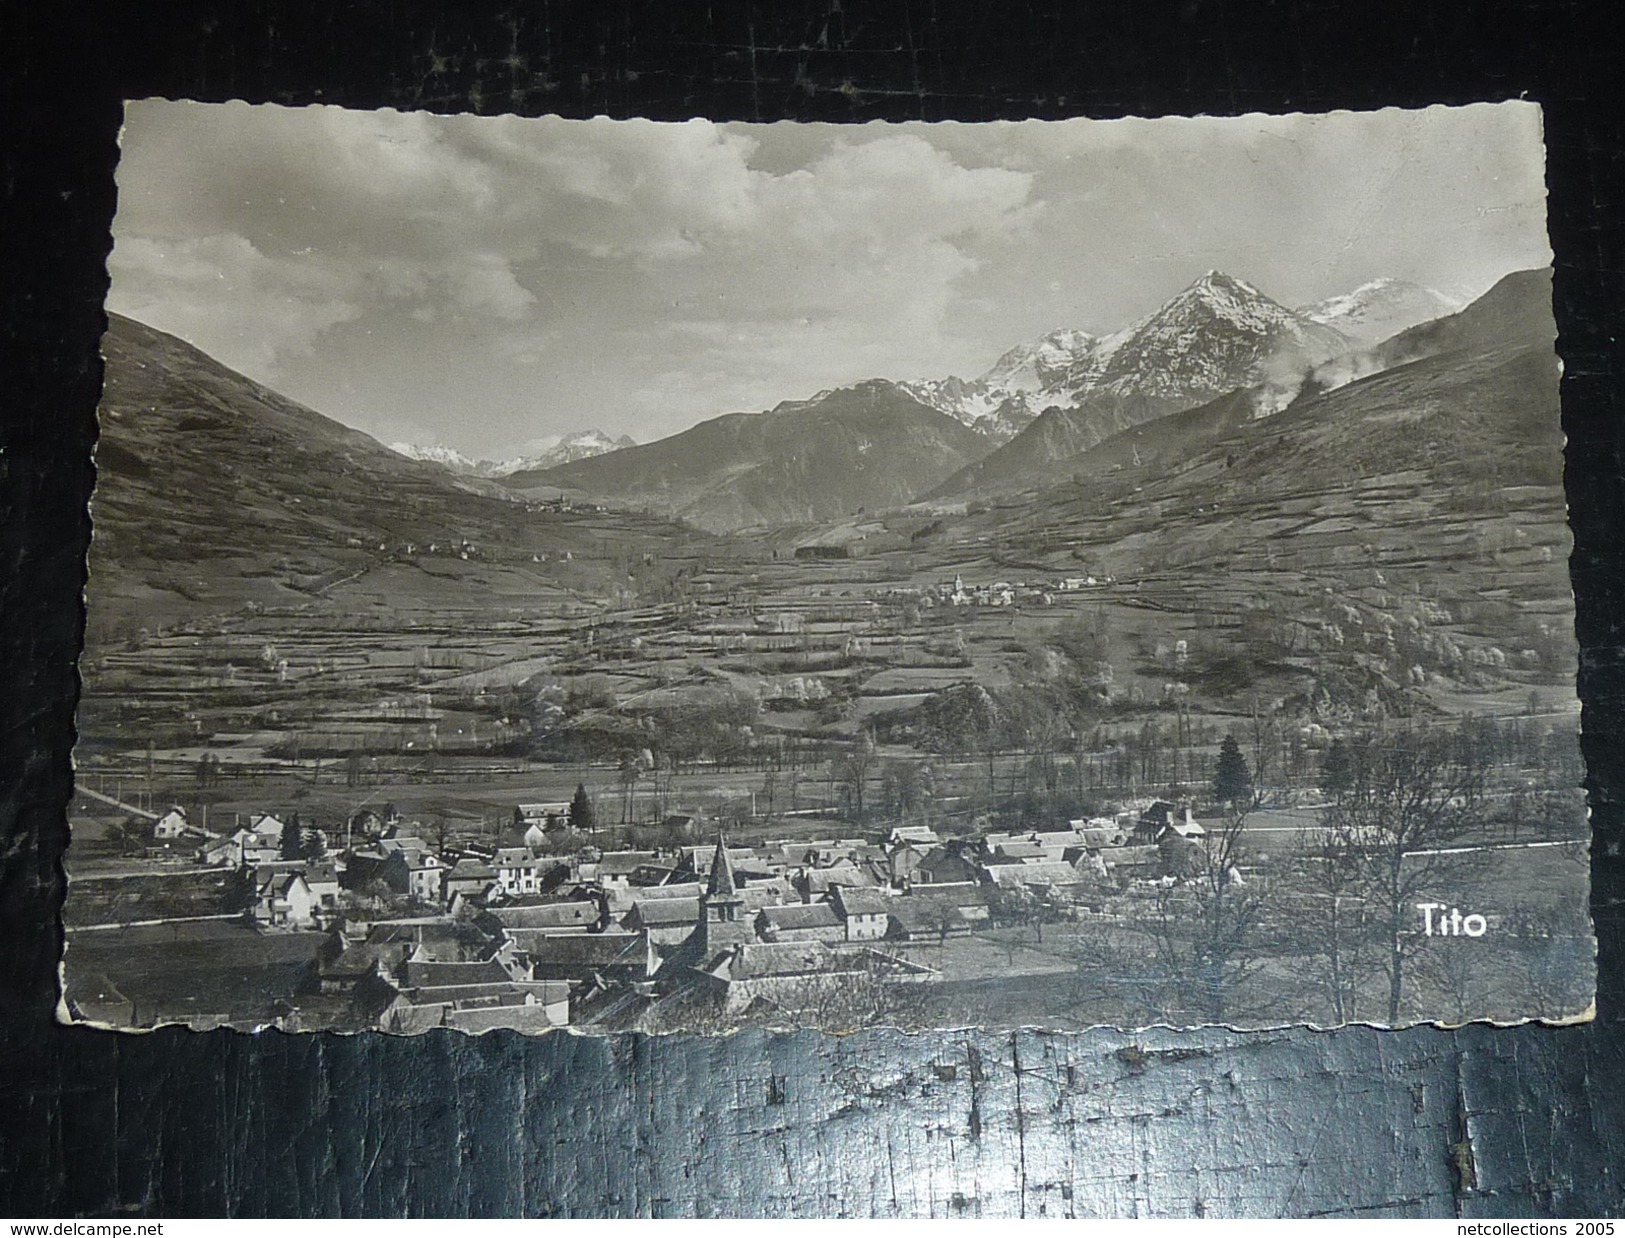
{"x": 1040, "y": 403}
{"x": 1215, "y": 335}
{"x": 1445, "y": 456}
{"x": 577, "y": 446}
{"x": 1059, "y": 443}
{"x": 208, "y": 477}
{"x": 1508, "y": 331}
{"x": 1211, "y": 336}
{"x": 867, "y": 446}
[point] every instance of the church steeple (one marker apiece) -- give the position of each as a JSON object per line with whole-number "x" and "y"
{"x": 722, "y": 883}
{"x": 722, "y": 911}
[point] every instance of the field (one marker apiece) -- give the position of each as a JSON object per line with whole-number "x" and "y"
{"x": 199, "y": 973}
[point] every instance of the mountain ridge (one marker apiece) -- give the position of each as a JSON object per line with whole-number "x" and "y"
{"x": 1217, "y": 334}
{"x": 868, "y": 445}
{"x": 215, "y": 493}
{"x": 578, "y": 445}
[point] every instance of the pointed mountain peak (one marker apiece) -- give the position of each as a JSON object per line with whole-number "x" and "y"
{"x": 1217, "y": 282}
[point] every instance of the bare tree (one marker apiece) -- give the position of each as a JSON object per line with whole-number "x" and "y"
{"x": 1412, "y": 796}
{"x": 628, "y": 774}
{"x": 1344, "y": 939}
{"x": 908, "y": 788}
{"x": 1205, "y": 932}
{"x": 853, "y": 770}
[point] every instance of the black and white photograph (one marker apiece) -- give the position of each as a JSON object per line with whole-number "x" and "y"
{"x": 601, "y": 576}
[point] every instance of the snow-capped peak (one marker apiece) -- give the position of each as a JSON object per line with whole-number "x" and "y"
{"x": 574, "y": 446}
{"x": 1033, "y": 366}
{"x": 1226, "y": 297}
{"x": 577, "y": 446}
{"x": 436, "y": 453}
{"x": 1379, "y": 309}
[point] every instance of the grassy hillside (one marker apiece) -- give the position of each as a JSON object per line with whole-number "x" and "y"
{"x": 214, "y": 492}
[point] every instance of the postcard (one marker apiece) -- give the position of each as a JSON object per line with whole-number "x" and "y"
{"x": 626, "y": 576}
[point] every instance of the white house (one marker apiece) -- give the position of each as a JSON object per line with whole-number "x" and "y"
{"x": 519, "y": 872}
{"x": 266, "y": 825}
{"x": 866, "y": 913}
{"x": 285, "y": 900}
{"x": 171, "y": 825}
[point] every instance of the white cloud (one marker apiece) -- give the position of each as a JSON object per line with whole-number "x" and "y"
{"x": 511, "y": 278}
{"x": 230, "y": 299}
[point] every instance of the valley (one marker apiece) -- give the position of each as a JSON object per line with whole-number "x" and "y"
{"x": 797, "y": 629}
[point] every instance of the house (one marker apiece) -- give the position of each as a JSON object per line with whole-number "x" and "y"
{"x": 468, "y": 877}
{"x": 285, "y": 900}
{"x": 540, "y": 816}
{"x": 401, "y": 842}
{"x": 583, "y": 957}
{"x": 800, "y": 922}
{"x": 366, "y": 823}
{"x": 514, "y": 1005}
{"x": 623, "y": 898}
{"x": 920, "y": 835}
{"x": 257, "y": 848}
{"x": 933, "y": 913}
{"x": 646, "y": 875}
{"x": 422, "y": 968}
{"x": 615, "y": 868}
{"x": 941, "y": 866}
{"x": 491, "y": 989}
{"x": 295, "y": 893}
{"x": 1153, "y": 820}
{"x": 414, "y": 873}
{"x": 1098, "y": 832}
{"x": 927, "y": 920}
{"x": 796, "y": 977}
{"x": 541, "y": 813}
{"x": 865, "y": 914}
{"x": 357, "y": 950}
{"x": 569, "y": 916}
{"x": 266, "y": 826}
{"x": 323, "y": 879}
{"x": 520, "y": 872}
{"x": 1132, "y": 861}
{"x": 667, "y": 921}
{"x": 1019, "y": 851}
{"x": 222, "y": 852}
{"x": 903, "y": 863}
{"x": 813, "y": 884}
{"x": 171, "y": 825}
{"x": 1035, "y": 875}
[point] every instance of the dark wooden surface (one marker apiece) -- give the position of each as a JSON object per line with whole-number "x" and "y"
{"x": 1477, "y": 1122}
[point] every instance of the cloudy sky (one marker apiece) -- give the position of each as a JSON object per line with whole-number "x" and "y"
{"x": 491, "y": 283}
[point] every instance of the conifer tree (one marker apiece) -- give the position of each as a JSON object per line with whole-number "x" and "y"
{"x": 1337, "y": 769}
{"x": 581, "y": 813}
{"x": 1232, "y": 780}
{"x": 289, "y": 847}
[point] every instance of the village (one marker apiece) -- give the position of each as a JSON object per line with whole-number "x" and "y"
{"x": 381, "y": 920}
{"x": 534, "y": 933}
{"x": 954, "y": 790}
